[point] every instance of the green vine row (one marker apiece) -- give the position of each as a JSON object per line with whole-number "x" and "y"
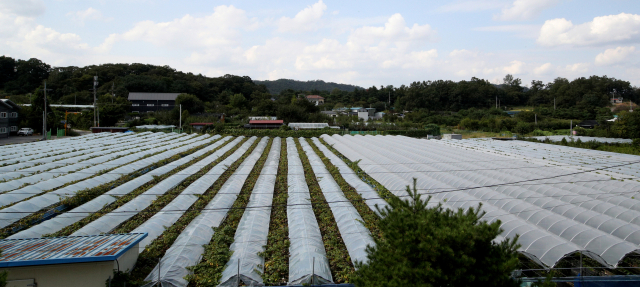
{"x": 216, "y": 254}
{"x": 276, "y": 254}
{"x": 369, "y": 217}
{"x": 126, "y": 198}
{"x": 339, "y": 259}
{"x": 149, "y": 258}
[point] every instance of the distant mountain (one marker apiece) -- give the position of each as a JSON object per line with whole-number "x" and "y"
{"x": 275, "y": 87}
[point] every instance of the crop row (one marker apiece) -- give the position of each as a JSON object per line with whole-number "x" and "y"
{"x": 77, "y": 199}
{"x": 379, "y": 188}
{"x": 217, "y": 253}
{"x": 370, "y": 218}
{"x": 276, "y": 254}
{"x": 339, "y": 260}
{"x": 149, "y": 258}
{"x": 128, "y": 197}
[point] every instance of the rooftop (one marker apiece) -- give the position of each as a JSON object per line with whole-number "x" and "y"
{"x": 68, "y": 249}
{"x": 153, "y": 96}
{"x": 314, "y": 97}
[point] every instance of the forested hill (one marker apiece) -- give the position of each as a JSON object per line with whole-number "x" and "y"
{"x": 277, "y": 86}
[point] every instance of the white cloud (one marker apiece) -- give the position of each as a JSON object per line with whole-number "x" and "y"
{"x": 220, "y": 29}
{"x": 543, "y": 69}
{"x": 395, "y": 32}
{"x": 602, "y": 30}
{"x": 578, "y": 68}
{"x": 306, "y": 20}
{"x": 515, "y": 68}
{"x": 25, "y": 8}
{"x": 522, "y": 10}
{"x": 472, "y": 6}
{"x": 614, "y": 56}
{"x": 81, "y": 17}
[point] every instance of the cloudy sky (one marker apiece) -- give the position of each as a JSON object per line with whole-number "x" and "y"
{"x": 357, "y": 42}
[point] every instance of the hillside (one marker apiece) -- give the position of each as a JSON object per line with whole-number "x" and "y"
{"x": 275, "y": 87}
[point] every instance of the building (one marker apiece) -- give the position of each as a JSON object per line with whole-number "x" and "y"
{"x": 332, "y": 114}
{"x": 264, "y": 124}
{"x": 317, "y": 100}
{"x": 87, "y": 261}
{"x": 588, "y": 124}
{"x": 199, "y": 126}
{"x": 8, "y": 118}
{"x": 616, "y": 100}
{"x": 151, "y": 102}
{"x": 308, "y": 126}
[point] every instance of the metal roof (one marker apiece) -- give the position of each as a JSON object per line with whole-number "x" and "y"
{"x": 153, "y": 96}
{"x": 68, "y": 249}
{"x": 9, "y": 104}
{"x": 266, "y": 121}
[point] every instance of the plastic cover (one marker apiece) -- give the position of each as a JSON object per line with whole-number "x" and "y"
{"x": 128, "y": 164}
{"x": 188, "y": 248}
{"x": 251, "y": 236}
{"x": 389, "y": 168}
{"x": 121, "y": 214}
{"x": 355, "y": 235}
{"x": 370, "y": 196}
{"x": 307, "y": 256}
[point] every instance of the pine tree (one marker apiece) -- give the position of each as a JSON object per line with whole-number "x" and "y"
{"x": 433, "y": 246}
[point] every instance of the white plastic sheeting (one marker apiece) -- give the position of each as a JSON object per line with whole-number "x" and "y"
{"x": 395, "y": 171}
{"x": 307, "y": 257}
{"x": 59, "y": 149}
{"x": 188, "y": 248}
{"x": 355, "y": 235}
{"x": 48, "y": 164}
{"x": 131, "y": 163}
{"x": 121, "y": 214}
{"x": 63, "y": 220}
{"x": 10, "y": 151}
{"x": 251, "y": 236}
{"x": 174, "y": 210}
{"x": 67, "y": 174}
{"x": 370, "y": 196}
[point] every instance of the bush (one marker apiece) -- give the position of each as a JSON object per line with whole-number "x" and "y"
{"x": 424, "y": 246}
{"x": 523, "y": 128}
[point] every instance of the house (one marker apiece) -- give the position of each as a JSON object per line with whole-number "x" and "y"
{"x": 317, "y": 100}
{"x": 199, "y": 126}
{"x": 616, "y": 100}
{"x": 264, "y": 124}
{"x": 332, "y": 114}
{"x": 87, "y": 261}
{"x": 8, "y": 118}
{"x": 151, "y": 102}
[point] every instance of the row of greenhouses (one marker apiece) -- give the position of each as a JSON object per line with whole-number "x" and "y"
{"x": 214, "y": 207}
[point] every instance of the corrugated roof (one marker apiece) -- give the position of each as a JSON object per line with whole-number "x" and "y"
{"x": 266, "y": 122}
{"x": 153, "y": 96}
{"x": 68, "y": 249}
{"x": 9, "y": 104}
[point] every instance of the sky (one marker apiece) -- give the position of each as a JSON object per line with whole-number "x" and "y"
{"x": 364, "y": 43}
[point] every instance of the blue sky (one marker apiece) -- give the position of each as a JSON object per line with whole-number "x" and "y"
{"x": 357, "y": 42}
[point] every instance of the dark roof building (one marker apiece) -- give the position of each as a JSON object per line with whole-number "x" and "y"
{"x": 8, "y": 118}
{"x": 588, "y": 124}
{"x": 151, "y": 102}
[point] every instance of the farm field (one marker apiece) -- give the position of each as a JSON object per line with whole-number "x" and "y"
{"x": 278, "y": 211}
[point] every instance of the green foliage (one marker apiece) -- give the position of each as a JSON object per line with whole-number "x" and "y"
{"x": 189, "y": 103}
{"x": 276, "y": 253}
{"x": 425, "y": 246}
{"x": 410, "y": 133}
{"x": 277, "y": 86}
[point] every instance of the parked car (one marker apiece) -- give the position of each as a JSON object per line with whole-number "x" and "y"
{"x": 25, "y": 132}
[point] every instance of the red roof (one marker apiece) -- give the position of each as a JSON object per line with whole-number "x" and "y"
{"x": 315, "y": 97}
{"x": 201, "y": 124}
{"x": 266, "y": 122}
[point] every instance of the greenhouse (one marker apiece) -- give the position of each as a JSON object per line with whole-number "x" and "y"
{"x": 219, "y": 209}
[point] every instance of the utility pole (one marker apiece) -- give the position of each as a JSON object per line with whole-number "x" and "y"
{"x": 180, "y": 127}
{"x": 113, "y": 94}
{"x": 389, "y": 98}
{"x": 554, "y": 104}
{"x": 496, "y": 102}
{"x": 95, "y": 102}
{"x": 44, "y": 113}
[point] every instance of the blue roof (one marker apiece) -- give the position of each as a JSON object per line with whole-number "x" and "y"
{"x": 68, "y": 249}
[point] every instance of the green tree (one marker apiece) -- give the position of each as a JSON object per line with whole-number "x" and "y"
{"x": 112, "y": 109}
{"x": 189, "y": 103}
{"x": 433, "y": 246}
